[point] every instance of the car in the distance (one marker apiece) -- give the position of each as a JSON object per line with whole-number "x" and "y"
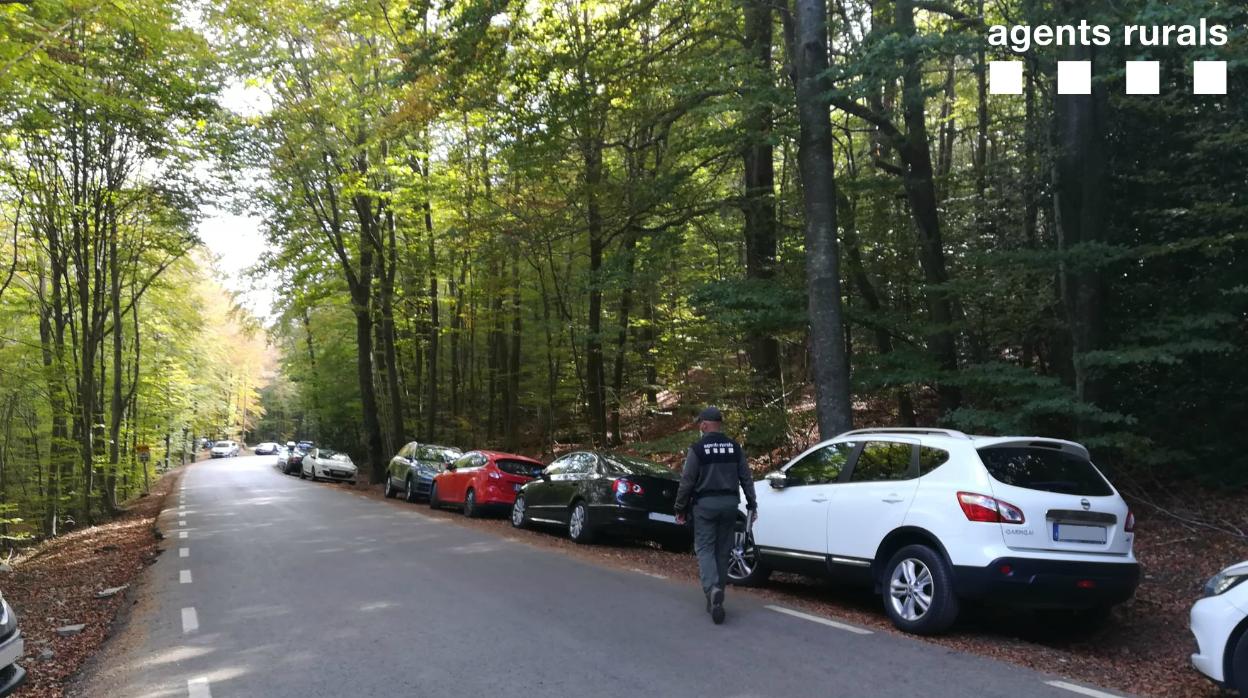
{"x": 12, "y": 646}
{"x": 224, "y": 449}
{"x": 1220, "y": 624}
{"x": 266, "y": 448}
{"x": 482, "y": 480}
{"x": 327, "y": 464}
{"x": 933, "y": 517}
{"x": 412, "y": 470}
{"x": 597, "y": 492}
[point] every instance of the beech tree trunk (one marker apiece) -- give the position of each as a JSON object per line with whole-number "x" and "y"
{"x": 830, "y": 367}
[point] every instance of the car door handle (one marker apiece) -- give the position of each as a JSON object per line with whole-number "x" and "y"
{"x": 819, "y": 499}
{"x": 892, "y": 499}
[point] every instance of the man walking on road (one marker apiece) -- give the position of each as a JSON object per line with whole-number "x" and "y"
{"x": 714, "y": 470}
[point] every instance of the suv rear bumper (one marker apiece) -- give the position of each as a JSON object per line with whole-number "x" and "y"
{"x": 1049, "y": 583}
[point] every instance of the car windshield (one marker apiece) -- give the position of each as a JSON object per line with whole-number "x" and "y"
{"x": 519, "y": 467}
{"x": 628, "y": 465}
{"x": 327, "y": 454}
{"x": 1045, "y": 469}
{"x": 224, "y": 444}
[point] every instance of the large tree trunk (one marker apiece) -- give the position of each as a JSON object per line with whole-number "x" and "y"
{"x": 759, "y": 202}
{"x": 817, "y": 168}
{"x": 596, "y": 389}
{"x": 390, "y": 263}
{"x": 920, "y": 186}
{"x": 1079, "y": 180}
{"x": 435, "y": 328}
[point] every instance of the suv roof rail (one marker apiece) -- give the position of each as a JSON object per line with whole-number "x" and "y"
{"x": 909, "y": 430}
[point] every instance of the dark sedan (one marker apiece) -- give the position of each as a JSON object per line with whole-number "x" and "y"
{"x": 413, "y": 469}
{"x": 594, "y": 493}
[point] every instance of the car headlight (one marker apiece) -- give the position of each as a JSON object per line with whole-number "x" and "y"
{"x": 1224, "y": 581}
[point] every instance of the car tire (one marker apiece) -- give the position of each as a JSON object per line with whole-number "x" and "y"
{"x": 302, "y": 475}
{"x": 434, "y": 502}
{"x": 409, "y": 487}
{"x": 389, "y": 491}
{"x": 912, "y": 571}
{"x": 1237, "y": 662}
{"x": 471, "y": 510}
{"x": 579, "y": 529}
{"x": 519, "y": 513}
{"x": 748, "y": 569}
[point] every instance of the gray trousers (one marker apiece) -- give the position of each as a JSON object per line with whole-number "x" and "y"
{"x": 714, "y": 523}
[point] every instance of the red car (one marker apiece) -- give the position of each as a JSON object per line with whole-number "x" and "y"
{"x": 481, "y": 480}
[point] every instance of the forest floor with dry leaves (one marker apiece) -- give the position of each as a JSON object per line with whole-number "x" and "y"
{"x": 1144, "y": 648}
{"x": 54, "y": 584}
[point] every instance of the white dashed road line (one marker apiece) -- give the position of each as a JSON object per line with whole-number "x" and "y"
{"x": 182, "y": 534}
{"x": 198, "y": 688}
{"x": 184, "y": 577}
{"x": 1074, "y": 688}
{"x": 184, "y": 552}
{"x": 182, "y": 523}
{"x": 822, "y": 621}
{"x": 190, "y": 620}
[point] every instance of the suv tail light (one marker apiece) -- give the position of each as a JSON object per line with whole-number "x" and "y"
{"x": 1130, "y": 527}
{"x": 623, "y": 486}
{"x": 981, "y": 507}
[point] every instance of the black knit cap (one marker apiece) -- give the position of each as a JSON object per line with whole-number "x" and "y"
{"x": 711, "y": 414}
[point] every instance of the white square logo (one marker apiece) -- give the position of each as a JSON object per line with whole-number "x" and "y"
{"x": 1074, "y": 77}
{"x": 1143, "y": 77}
{"x": 1209, "y": 77}
{"x": 1005, "y": 77}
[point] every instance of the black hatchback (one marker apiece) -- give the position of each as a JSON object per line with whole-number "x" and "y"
{"x": 595, "y": 492}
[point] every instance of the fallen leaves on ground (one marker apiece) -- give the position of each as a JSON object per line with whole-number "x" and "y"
{"x": 55, "y": 583}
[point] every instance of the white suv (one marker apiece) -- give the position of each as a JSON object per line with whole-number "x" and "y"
{"x": 1220, "y": 624}
{"x": 932, "y": 516}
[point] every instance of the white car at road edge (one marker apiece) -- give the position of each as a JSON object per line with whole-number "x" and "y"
{"x": 1220, "y": 624}
{"x": 224, "y": 449}
{"x": 932, "y": 517}
{"x": 325, "y": 464}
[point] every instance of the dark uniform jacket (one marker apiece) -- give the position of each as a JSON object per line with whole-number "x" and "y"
{"x": 715, "y": 466}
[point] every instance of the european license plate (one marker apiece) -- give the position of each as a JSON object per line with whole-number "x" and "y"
{"x": 1074, "y": 533}
{"x": 665, "y": 518}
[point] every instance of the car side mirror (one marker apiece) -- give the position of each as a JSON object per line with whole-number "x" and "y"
{"x": 544, "y": 475}
{"x": 450, "y": 467}
{"x": 777, "y": 480}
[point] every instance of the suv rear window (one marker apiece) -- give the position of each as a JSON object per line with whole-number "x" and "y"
{"x": 1045, "y": 469}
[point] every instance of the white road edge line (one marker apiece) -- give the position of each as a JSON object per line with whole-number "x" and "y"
{"x": 190, "y": 620}
{"x": 184, "y": 552}
{"x": 641, "y": 571}
{"x": 184, "y": 577}
{"x": 198, "y": 688}
{"x": 1074, "y": 688}
{"x": 822, "y": 621}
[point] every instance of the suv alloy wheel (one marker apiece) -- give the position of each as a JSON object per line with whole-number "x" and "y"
{"x": 918, "y": 591}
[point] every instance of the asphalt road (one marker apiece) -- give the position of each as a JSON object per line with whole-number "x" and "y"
{"x": 281, "y": 587}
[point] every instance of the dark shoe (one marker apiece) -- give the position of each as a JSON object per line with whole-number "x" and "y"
{"x": 717, "y": 605}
